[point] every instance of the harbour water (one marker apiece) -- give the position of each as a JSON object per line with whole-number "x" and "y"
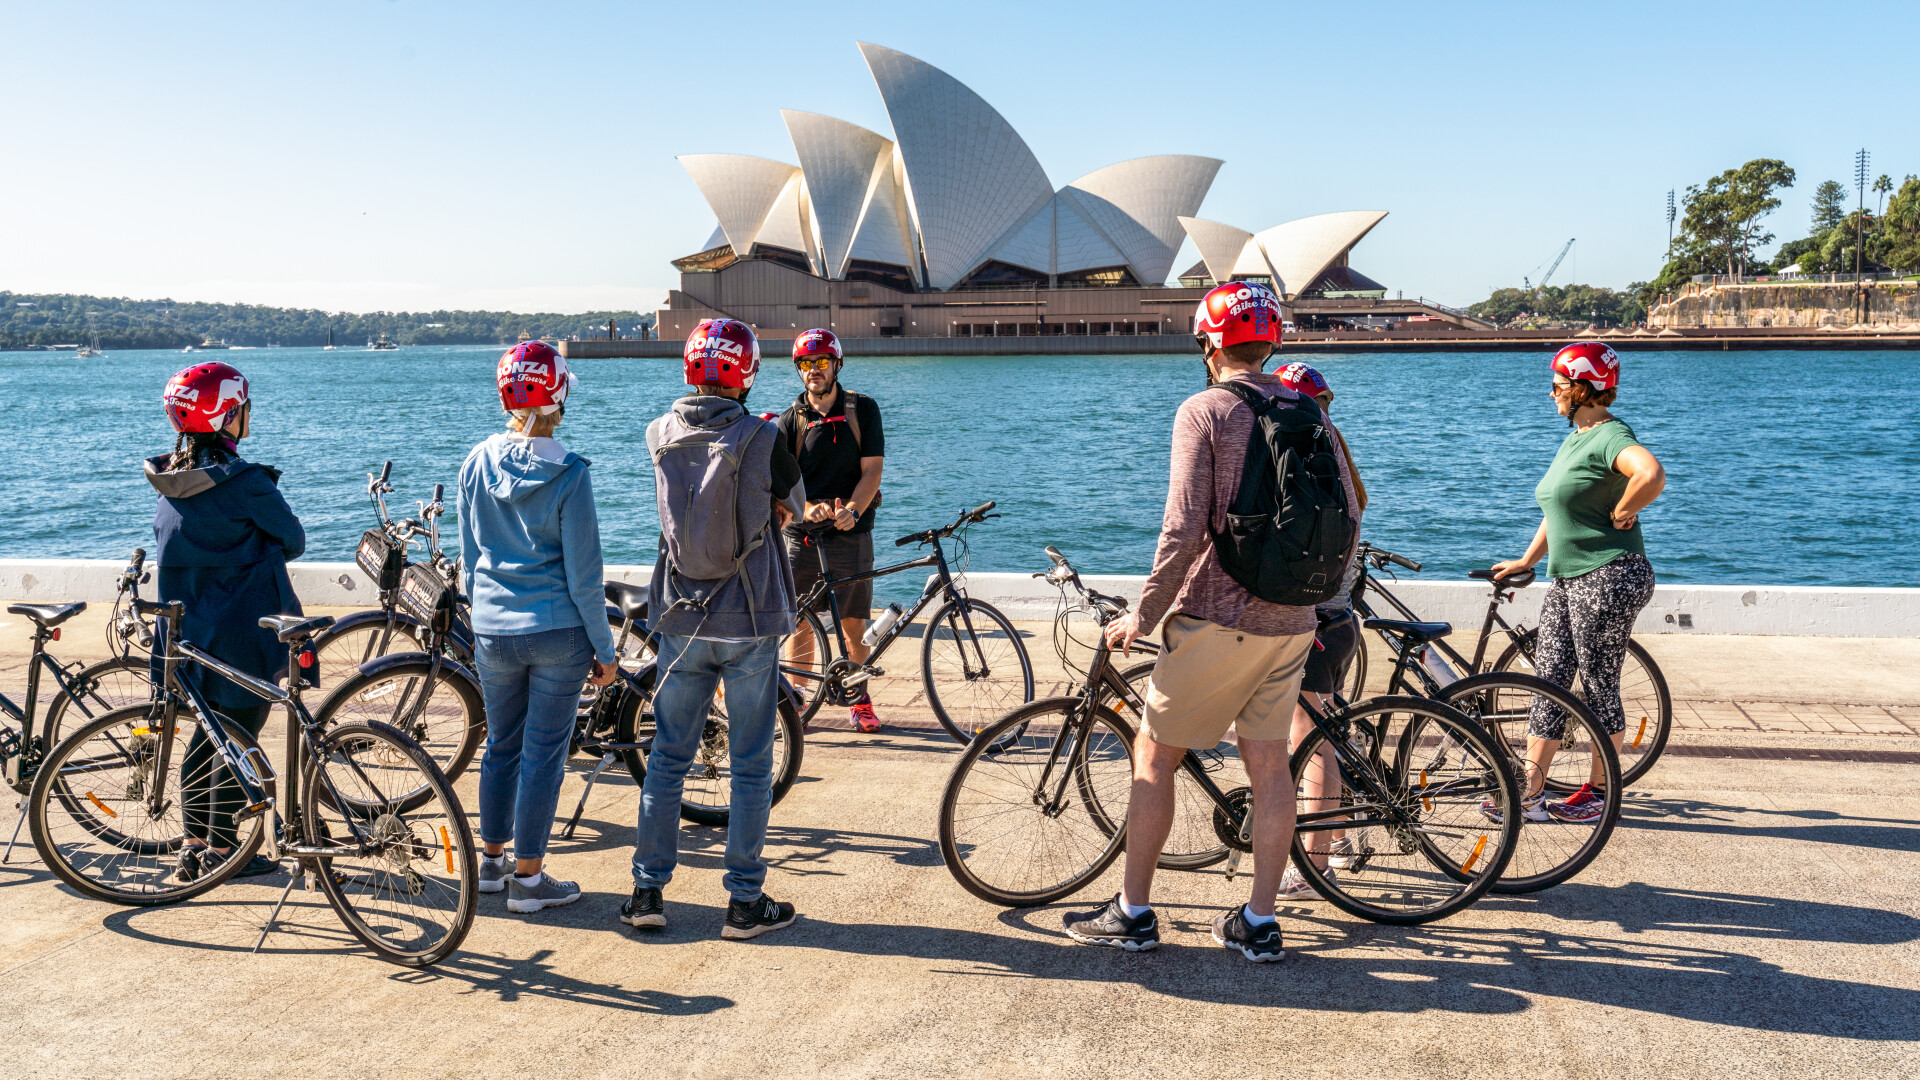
{"x": 1784, "y": 467}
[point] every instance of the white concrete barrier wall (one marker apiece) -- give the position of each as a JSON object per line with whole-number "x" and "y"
{"x": 1804, "y": 611}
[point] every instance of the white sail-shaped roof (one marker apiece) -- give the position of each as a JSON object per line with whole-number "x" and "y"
{"x": 1138, "y": 204}
{"x": 1221, "y": 247}
{"x": 841, "y": 162}
{"x": 884, "y": 233}
{"x": 1079, "y": 243}
{"x": 786, "y": 225}
{"x": 1301, "y": 249}
{"x": 1030, "y": 243}
{"x": 741, "y": 189}
{"x": 970, "y": 177}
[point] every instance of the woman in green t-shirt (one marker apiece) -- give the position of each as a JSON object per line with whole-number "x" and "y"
{"x": 1590, "y": 503}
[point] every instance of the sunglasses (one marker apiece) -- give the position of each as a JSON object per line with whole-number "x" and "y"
{"x": 1560, "y": 384}
{"x": 817, "y": 363}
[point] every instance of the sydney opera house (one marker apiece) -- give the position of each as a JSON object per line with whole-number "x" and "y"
{"x": 950, "y": 228}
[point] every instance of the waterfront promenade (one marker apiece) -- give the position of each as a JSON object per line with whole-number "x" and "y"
{"x": 1754, "y": 915}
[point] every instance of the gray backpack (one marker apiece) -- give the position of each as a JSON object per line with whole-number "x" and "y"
{"x": 698, "y": 498}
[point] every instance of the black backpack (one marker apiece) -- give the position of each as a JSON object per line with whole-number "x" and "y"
{"x": 1289, "y": 528}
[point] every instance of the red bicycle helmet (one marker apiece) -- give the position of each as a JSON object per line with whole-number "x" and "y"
{"x": 532, "y": 375}
{"x": 1593, "y": 362}
{"x": 1237, "y": 312}
{"x": 1302, "y": 379}
{"x": 815, "y": 343}
{"x": 204, "y": 397}
{"x": 722, "y": 352}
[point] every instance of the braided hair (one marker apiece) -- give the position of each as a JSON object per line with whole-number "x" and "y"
{"x": 200, "y": 449}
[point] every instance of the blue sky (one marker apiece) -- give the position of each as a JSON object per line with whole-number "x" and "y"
{"x": 405, "y": 155}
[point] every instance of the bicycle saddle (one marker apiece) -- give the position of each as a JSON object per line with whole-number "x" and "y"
{"x": 1415, "y": 633}
{"x": 1518, "y": 580}
{"x": 292, "y": 628}
{"x": 631, "y": 600}
{"x": 48, "y": 615}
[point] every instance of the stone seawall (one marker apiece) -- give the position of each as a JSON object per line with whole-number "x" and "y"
{"x": 1772, "y": 610}
{"x": 1807, "y": 305}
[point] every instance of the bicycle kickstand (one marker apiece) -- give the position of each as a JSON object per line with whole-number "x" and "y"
{"x": 17, "y": 822}
{"x": 299, "y": 872}
{"x": 572, "y": 822}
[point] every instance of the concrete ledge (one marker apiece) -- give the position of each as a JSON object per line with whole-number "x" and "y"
{"x": 1789, "y": 610}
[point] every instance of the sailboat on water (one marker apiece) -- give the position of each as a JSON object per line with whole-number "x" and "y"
{"x": 329, "y": 343}
{"x": 92, "y": 349}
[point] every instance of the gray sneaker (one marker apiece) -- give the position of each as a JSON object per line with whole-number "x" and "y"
{"x": 1293, "y": 886}
{"x": 494, "y": 875}
{"x": 545, "y": 893}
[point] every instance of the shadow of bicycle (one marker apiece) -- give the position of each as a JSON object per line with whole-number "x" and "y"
{"x": 513, "y": 980}
{"x": 1682, "y": 815}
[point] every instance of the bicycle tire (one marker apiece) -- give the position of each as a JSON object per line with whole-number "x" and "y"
{"x": 415, "y": 837}
{"x": 81, "y": 849}
{"x": 1013, "y": 744}
{"x": 450, "y": 728}
{"x": 341, "y": 649}
{"x": 1356, "y": 688}
{"x": 1192, "y": 843}
{"x": 1642, "y": 747}
{"x": 972, "y": 701}
{"x": 1544, "y": 857}
{"x": 1445, "y": 884}
{"x": 98, "y": 689}
{"x": 809, "y": 681}
{"x": 636, "y": 725}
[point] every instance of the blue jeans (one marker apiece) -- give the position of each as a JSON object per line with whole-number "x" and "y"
{"x": 751, "y": 669}
{"x": 531, "y": 684}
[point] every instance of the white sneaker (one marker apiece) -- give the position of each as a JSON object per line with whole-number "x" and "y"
{"x": 1532, "y": 808}
{"x": 1341, "y": 854}
{"x": 1294, "y": 887}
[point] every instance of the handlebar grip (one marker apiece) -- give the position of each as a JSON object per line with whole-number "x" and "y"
{"x": 905, "y": 540}
{"x": 439, "y": 490}
{"x": 139, "y": 559}
{"x": 982, "y": 508}
{"x": 1054, "y": 554}
{"x": 1404, "y": 561}
{"x": 386, "y": 470}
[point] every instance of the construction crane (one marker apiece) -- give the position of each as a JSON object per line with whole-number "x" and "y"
{"x": 1536, "y": 289}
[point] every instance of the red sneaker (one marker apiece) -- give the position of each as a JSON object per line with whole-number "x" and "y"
{"x": 863, "y": 718}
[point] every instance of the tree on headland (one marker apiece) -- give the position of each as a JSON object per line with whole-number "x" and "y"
{"x": 1560, "y": 304}
{"x": 1723, "y": 219}
{"x": 1829, "y": 206}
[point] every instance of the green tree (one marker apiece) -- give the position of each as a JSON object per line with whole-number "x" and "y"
{"x": 1829, "y": 206}
{"x": 1898, "y": 241}
{"x": 1723, "y": 220}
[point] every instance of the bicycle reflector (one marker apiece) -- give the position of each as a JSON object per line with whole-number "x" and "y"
{"x": 306, "y": 658}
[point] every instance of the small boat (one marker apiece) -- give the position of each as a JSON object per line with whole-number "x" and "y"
{"x": 382, "y": 344}
{"x": 329, "y": 343}
{"x": 209, "y": 343}
{"x": 91, "y": 349}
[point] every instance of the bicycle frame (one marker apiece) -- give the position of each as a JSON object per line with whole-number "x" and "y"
{"x": 21, "y": 763}
{"x": 943, "y": 588}
{"x": 1468, "y": 667}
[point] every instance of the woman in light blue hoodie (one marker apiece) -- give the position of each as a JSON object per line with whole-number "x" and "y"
{"x": 530, "y": 553}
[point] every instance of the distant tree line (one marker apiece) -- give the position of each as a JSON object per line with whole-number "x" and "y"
{"x": 1557, "y": 304}
{"x": 38, "y": 319}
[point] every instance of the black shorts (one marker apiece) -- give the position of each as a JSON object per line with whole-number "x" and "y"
{"x": 847, "y": 553}
{"x": 1327, "y": 662}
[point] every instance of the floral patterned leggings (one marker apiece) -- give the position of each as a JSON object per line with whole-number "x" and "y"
{"x": 1584, "y": 626}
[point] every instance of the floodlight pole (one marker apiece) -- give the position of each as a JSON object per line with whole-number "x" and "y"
{"x": 1669, "y": 224}
{"x": 1860, "y": 216}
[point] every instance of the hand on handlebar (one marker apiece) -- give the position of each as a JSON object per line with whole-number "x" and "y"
{"x": 1122, "y": 632}
{"x": 1509, "y": 568}
{"x": 603, "y": 673}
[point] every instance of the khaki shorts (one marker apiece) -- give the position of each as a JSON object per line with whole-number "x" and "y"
{"x": 1209, "y": 678}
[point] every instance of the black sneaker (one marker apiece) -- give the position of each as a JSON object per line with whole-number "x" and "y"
{"x": 192, "y": 864}
{"x": 1110, "y": 926}
{"x": 644, "y": 908}
{"x": 256, "y": 866}
{"x": 751, "y": 918}
{"x": 1260, "y": 944}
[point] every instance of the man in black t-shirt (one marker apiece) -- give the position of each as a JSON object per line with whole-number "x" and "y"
{"x": 836, "y": 434}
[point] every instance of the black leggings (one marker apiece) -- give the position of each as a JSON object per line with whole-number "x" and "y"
{"x": 211, "y": 797}
{"x": 1584, "y": 627}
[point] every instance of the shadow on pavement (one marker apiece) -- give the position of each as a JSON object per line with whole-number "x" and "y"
{"x": 1696, "y": 816}
{"x": 511, "y": 980}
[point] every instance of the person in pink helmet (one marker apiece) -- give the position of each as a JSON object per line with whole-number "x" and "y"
{"x": 1590, "y": 500}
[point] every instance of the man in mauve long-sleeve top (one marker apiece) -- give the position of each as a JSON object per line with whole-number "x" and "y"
{"x": 1230, "y": 658}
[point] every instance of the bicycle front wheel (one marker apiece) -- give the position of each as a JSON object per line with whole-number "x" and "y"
{"x": 402, "y": 873}
{"x": 1644, "y": 698}
{"x": 443, "y": 711}
{"x": 97, "y": 690}
{"x": 808, "y": 670}
{"x": 1036, "y": 807}
{"x": 110, "y": 820}
{"x": 1193, "y": 843}
{"x": 1418, "y": 846}
{"x": 974, "y": 666}
{"x": 1552, "y": 848}
{"x": 339, "y": 650}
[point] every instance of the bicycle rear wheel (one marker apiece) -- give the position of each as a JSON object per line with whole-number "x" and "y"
{"x": 1036, "y": 807}
{"x": 1644, "y": 697}
{"x": 1420, "y": 849}
{"x": 97, "y": 690}
{"x": 707, "y": 797}
{"x": 1552, "y": 851}
{"x": 809, "y": 677}
{"x": 410, "y": 892}
{"x": 974, "y": 667}
{"x": 443, "y": 712}
{"x": 93, "y": 817}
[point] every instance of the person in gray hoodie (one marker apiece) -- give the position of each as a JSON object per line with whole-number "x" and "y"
{"x": 531, "y": 567}
{"x": 723, "y": 599}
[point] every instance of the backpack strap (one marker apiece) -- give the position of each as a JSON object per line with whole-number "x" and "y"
{"x": 849, "y": 402}
{"x": 1263, "y": 403}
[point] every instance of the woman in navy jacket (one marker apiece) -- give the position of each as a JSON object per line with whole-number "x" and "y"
{"x": 224, "y": 535}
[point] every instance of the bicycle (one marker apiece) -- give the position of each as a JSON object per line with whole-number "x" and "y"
{"x": 1643, "y": 688}
{"x": 966, "y": 669}
{"x": 1035, "y": 808}
{"x": 112, "y": 803}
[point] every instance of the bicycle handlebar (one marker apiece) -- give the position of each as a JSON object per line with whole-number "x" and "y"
{"x": 967, "y": 517}
{"x": 139, "y": 560}
{"x": 439, "y": 492}
{"x": 386, "y": 470}
{"x": 1381, "y": 557}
